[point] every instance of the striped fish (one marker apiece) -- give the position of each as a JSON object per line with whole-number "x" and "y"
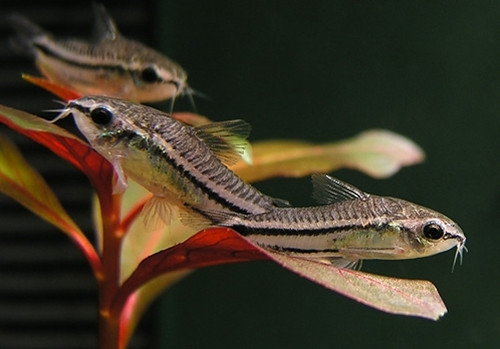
{"x": 111, "y": 65}
{"x": 180, "y": 164}
{"x": 349, "y": 226}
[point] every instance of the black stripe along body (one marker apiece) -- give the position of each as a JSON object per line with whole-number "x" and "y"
{"x": 165, "y": 156}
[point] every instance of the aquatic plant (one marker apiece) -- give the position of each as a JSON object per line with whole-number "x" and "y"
{"x": 132, "y": 266}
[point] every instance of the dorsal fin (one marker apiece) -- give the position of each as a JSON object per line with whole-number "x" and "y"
{"x": 227, "y": 139}
{"x": 327, "y": 190}
{"x": 104, "y": 26}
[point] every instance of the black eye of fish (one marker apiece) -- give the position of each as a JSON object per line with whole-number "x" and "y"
{"x": 149, "y": 75}
{"x": 101, "y": 116}
{"x": 433, "y": 231}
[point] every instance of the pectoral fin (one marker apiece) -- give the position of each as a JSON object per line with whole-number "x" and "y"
{"x": 227, "y": 140}
{"x": 156, "y": 213}
{"x": 120, "y": 183}
{"x": 345, "y": 263}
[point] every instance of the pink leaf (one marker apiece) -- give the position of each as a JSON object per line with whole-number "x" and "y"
{"x": 392, "y": 295}
{"x": 63, "y": 144}
{"x": 222, "y": 245}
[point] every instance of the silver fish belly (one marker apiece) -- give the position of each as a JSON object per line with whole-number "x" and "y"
{"x": 172, "y": 160}
{"x": 112, "y": 65}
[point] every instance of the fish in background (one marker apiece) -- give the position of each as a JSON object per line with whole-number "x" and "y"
{"x": 109, "y": 65}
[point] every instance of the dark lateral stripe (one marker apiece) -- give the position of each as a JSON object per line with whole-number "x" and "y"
{"x": 285, "y": 231}
{"x": 157, "y": 150}
{"x": 112, "y": 67}
{"x": 297, "y": 250}
{"x": 246, "y": 231}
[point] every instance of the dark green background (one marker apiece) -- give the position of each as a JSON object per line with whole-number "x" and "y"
{"x": 326, "y": 70}
{"x": 313, "y": 70}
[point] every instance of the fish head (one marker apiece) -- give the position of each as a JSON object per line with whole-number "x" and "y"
{"x": 154, "y": 77}
{"x": 421, "y": 231}
{"x": 154, "y": 81}
{"x": 104, "y": 121}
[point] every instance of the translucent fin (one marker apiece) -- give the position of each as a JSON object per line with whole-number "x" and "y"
{"x": 156, "y": 214}
{"x": 279, "y": 202}
{"x": 194, "y": 219}
{"x": 104, "y": 26}
{"x": 227, "y": 139}
{"x": 345, "y": 263}
{"x": 327, "y": 190}
{"x": 120, "y": 184}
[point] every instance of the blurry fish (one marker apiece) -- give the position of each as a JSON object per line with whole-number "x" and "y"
{"x": 178, "y": 163}
{"x": 350, "y": 226}
{"x": 111, "y": 65}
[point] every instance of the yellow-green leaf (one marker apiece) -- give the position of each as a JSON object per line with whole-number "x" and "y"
{"x": 25, "y": 185}
{"x": 378, "y": 153}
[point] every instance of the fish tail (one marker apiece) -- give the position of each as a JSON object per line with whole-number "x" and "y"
{"x": 26, "y": 32}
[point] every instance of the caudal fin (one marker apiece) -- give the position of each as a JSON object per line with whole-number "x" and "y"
{"x": 26, "y": 32}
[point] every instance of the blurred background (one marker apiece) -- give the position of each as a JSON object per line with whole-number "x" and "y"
{"x": 318, "y": 71}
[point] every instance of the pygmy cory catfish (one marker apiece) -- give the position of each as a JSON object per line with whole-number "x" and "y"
{"x": 349, "y": 226}
{"x": 178, "y": 163}
{"x": 110, "y": 65}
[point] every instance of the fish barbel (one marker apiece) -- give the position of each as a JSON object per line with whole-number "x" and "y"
{"x": 178, "y": 163}
{"x": 349, "y": 226}
{"x": 111, "y": 65}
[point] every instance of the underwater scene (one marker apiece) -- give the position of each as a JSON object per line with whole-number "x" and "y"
{"x": 256, "y": 174}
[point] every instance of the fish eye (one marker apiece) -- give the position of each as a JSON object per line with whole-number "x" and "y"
{"x": 101, "y": 116}
{"x": 149, "y": 74}
{"x": 433, "y": 231}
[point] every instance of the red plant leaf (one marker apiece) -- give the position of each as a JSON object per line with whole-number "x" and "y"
{"x": 59, "y": 90}
{"x": 218, "y": 245}
{"x": 25, "y": 185}
{"x": 211, "y": 246}
{"x": 62, "y": 143}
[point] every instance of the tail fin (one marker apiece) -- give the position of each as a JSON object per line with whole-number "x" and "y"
{"x": 26, "y": 32}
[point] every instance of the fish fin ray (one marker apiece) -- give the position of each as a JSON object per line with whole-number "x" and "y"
{"x": 104, "y": 26}
{"x": 344, "y": 263}
{"x": 227, "y": 139}
{"x": 211, "y": 217}
{"x": 156, "y": 214}
{"x": 120, "y": 184}
{"x": 194, "y": 219}
{"x": 328, "y": 190}
{"x": 279, "y": 202}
